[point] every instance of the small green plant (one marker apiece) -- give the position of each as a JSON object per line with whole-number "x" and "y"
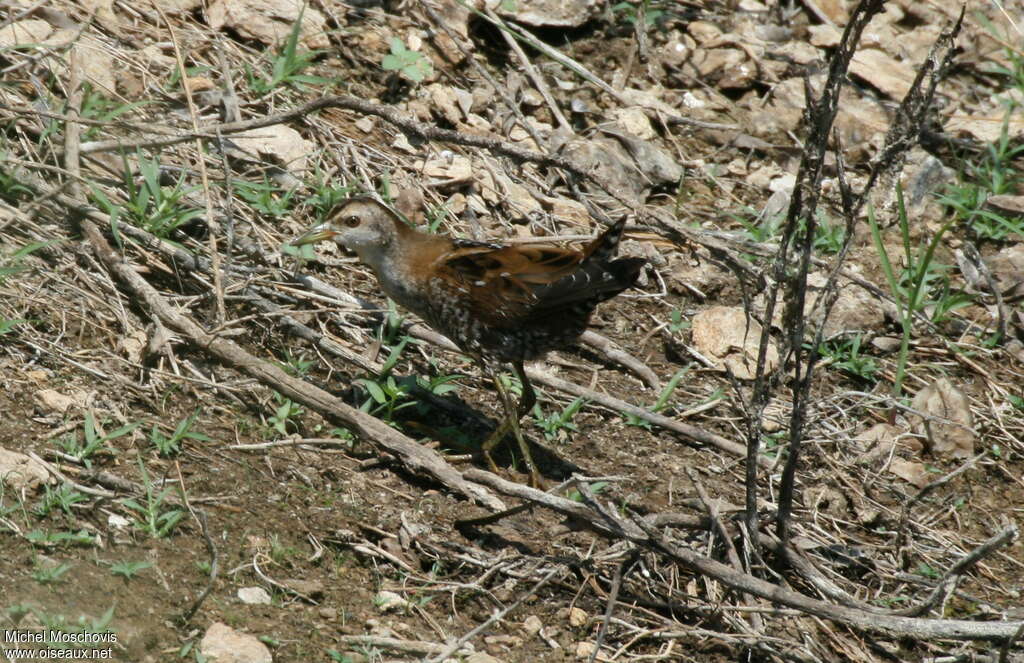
{"x": 286, "y": 411}
{"x": 17, "y": 612}
{"x": 412, "y": 64}
{"x": 128, "y": 570}
{"x": 282, "y": 553}
{"x": 911, "y": 288}
{"x": 994, "y": 174}
{"x": 47, "y": 573}
{"x": 266, "y": 197}
{"x": 845, "y": 355}
{"x": 596, "y": 488}
{"x": 774, "y": 441}
{"x": 15, "y": 263}
{"x": 675, "y": 321}
{"x": 288, "y": 62}
{"x": 631, "y": 14}
{"x": 63, "y": 498}
{"x": 388, "y": 393}
{"x": 435, "y": 216}
{"x": 95, "y": 106}
{"x": 94, "y": 440}
{"x": 386, "y": 396}
{"x": 11, "y": 188}
{"x": 296, "y": 365}
{"x": 511, "y": 384}
{"x": 50, "y": 539}
{"x": 168, "y": 446}
{"x": 327, "y": 195}
{"x": 149, "y": 204}
{"x": 57, "y": 623}
{"x": 155, "y": 519}
{"x": 760, "y": 230}
{"x": 338, "y": 657}
{"x": 10, "y": 510}
{"x": 662, "y": 401}
{"x": 944, "y": 299}
{"x": 556, "y": 424}
{"x": 968, "y": 202}
{"x": 8, "y": 325}
{"x": 439, "y": 385}
{"x": 1015, "y": 71}
{"x": 828, "y": 236}
{"x": 342, "y": 434}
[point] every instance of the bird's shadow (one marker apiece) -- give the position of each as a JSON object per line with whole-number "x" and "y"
{"x": 462, "y": 429}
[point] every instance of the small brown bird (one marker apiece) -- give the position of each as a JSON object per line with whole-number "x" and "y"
{"x": 497, "y": 303}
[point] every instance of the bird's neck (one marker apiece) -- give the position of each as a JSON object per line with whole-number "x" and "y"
{"x": 402, "y": 266}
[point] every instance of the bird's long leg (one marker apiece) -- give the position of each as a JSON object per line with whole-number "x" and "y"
{"x": 526, "y": 402}
{"x": 529, "y": 397}
{"x": 513, "y": 413}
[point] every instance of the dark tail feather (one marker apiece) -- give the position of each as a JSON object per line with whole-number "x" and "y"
{"x": 592, "y": 284}
{"x": 604, "y": 247}
{"x": 626, "y": 270}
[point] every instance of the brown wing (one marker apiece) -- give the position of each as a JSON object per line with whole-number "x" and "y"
{"x": 511, "y": 285}
{"x": 503, "y": 285}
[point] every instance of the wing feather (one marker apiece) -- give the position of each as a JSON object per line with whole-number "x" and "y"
{"x": 507, "y": 286}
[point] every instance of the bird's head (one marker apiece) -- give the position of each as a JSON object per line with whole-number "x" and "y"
{"x": 363, "y": 226}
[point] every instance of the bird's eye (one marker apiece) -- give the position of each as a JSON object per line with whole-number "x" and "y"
{"x": 351, "y": 221}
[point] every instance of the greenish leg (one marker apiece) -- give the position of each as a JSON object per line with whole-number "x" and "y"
{"x": 513, "y": 413}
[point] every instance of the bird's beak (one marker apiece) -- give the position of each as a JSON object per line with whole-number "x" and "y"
{"x": 318, "y": 234}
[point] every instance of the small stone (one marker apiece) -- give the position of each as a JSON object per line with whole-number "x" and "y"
{"x": 532, "y": 625}
{"x": 510, "y": 641}
{"x": 52, "y": 401}
{"x": 585, "y": 649}
{"x": 577, "y": 617}
{"x": 22, "y": 473}
{"x": 886, "y": 343}
{"x": 253, "y": 596}
{"x": 387, "y": 601}
{"x": 226, "y": 645}
{"x": 482, "y": 657}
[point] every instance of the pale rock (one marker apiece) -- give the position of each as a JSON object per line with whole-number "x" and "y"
{"x": 950, "y": 428}
{"x": 551, "y": 13}
{"x": 634, "y": 121}
{"x": 253, "y": 596}
{"x": 223, "y": 644}
{"x": 269, "y": 21}
{"x": 278, "y": 144}
{"x": 532, "y": 625}
{"x": 22, "y": 473}
{"x": 52, "y": 401}
{"x": 725, "y": 335}
{"x": 585, "y": 649}
{"x": 387, "y": 601}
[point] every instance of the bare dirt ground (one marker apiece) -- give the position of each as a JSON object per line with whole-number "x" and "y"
{"x": 169, "y": 489}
